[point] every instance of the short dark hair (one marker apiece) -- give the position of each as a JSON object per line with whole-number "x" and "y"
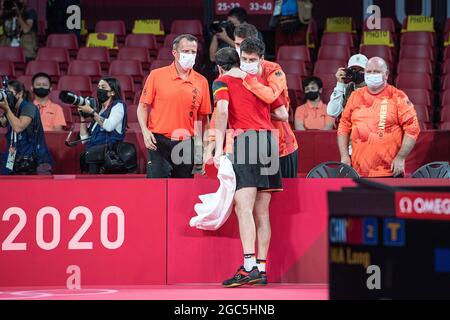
{"x": 115, "y": 87}
{"x": 227, "y": 58}
{"x": 188, "y": 37}
{"x": 253, "y": 45}
{"x": 41, "y": 75}
{"x": 239, "y": 13}
{"x": 245, "y": 31}
{"x": 310, "y": 79}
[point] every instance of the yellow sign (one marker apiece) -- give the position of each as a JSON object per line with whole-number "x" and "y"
{"x": 1, "y": 30}
{"x": 420, "y": 23}
{"x": 447, "y": 42}
{"x": 83, "y": 31}
{"x": 152, "y": 26}
{"x": 377, "y": 37}
{"x": 106, "y": 40}
{"x": 339, "y": 24}
{"x": 309, "y": 40}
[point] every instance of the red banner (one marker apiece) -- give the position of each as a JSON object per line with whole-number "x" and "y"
{"x": 251, "y": 6}
{"x": 422, "y": 205}
{"x": 91, "y": 232}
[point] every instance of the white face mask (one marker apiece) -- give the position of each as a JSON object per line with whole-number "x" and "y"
{"x": 373, "y": 80}
{"x": 187, "y": 60}
{"x": 250, "y": 68}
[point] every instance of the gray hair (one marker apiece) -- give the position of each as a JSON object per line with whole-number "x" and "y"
{"x": 188, "y": 37}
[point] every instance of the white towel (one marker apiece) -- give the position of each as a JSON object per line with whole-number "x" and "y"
{"x": 216, "y": 207}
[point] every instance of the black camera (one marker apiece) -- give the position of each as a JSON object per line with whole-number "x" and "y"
{"x": 219, "y": 26}
{"x": 8, "y": 8}
{"x": 69, "y": 97}
{"x": 353, "y": 76}
{"x": 7, "y": 95}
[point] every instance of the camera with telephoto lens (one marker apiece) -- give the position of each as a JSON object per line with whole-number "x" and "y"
{"x": 7, "y": 95}
{"x": 353, "y": 76}
{"x": 69, "y": 97}
{"x": 219, "y": 26}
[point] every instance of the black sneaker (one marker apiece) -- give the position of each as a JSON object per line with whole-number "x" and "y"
{"x": 261, "y": 280}
{"x": 242, "y": 277}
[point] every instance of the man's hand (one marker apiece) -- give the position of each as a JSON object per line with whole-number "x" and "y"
{"x": 4, "y": 106}
{"x": 149, "y": 139}
{"x": 398, "y": 166}
{"x": 347, "y": 160}
{"x": 340, "y": 75}
{"x": 222, "y": 35}
{"x": 86, "y": 109}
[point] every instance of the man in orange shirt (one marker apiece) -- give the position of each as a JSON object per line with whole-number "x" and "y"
{"x": 174, "y": 99}
{"x": 382, "y": 123}
{"x": 272, "y": 73}
{"x": 52, "y": 115}
{"x": 313, "y": 114}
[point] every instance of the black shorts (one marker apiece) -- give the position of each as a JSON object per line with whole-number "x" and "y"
{"x": 289, "y": 164}
{"x": 256, "y": 162}
{"x": 161, "y": 164}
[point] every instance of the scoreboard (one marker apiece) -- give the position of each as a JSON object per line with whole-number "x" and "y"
{"x": 251, "y": 6}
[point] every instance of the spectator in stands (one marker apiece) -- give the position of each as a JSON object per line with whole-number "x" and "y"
{"x": 273, "y": 86}
{"x": 27, "y": 151}
{"x": 20, "y": 26}
{"x": 313, "y": 114}
{"x": 52, "y": 115}
{"x": 290, "y": 20}
{"x": 178, "y": 98}
{"x": 382, "y": 123}
{"x": 345, "y": 85}
{"x": 107, "y": 127}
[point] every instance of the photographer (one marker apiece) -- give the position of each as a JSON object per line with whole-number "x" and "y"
{"x": 107, "y": 128}
{"x": 27, "y": 151}
{"x": 348, "y": 80}
{"x": 19, "y": 27}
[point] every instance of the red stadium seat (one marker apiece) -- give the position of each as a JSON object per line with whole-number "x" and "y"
{"x": 446, "y": 67}
{"x": 147, "y": 41}
{"x": 159, "y": 64}
{"x": 127, "y": 86}
{"x": 138, "y": 54}
{"x": 446, "y": 82}
{"x": 293, "y": 67}
{"x": 132, "y": 113}
{"x": 137, "y": 96}
{"x": 334, "y": 53}
{"x": 377, "y": 51}
{"x": 168, "y": 40}
{"x": 387, "y": 24}
{"x": 422, "y": 113}
{"x": 445, "y": 113}
{"x": 165, "y": 54}
{"x": 7, "y": 69}
{"x": 337, "y": 39}
{"x": 99, "y": 54}
{"x": 112, "y": 26}
{"x": 419, "y": 96}
{"x": 416, "y": 52}
{"x": 417, "y": 38}
{"x": 80, "y": 83}
{"x": 445, "y": 126}
{"x": 415, "y": 66}
{"x": 293, "y": 53}
{"x": 328, "y": 79}
{"x": 26, "y": 80}
{"x": 60, "y": 55}
{"x": 414, "y": 81}
{"x": 294, "y": 83}
{"x": 127, "y": 67}
{"x": 329, "y": 66}
{"x": 49, "y": 67}
{"x": 88, "y": 68}
{"x": 66, "y": 40}
{"x": 193, "y": 27}
{"x": 15, "y": 55}
{"x": 326, "y": 94}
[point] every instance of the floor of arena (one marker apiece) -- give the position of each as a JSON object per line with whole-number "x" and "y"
{"x": 171, "y": 292}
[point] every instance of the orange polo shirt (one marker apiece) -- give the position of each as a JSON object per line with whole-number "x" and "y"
{"x": 313, "y": 117}
{"x": 52, "y": 115}
{"x": 377, "y": 124}
{"x": 276, "y": 86}
{"x": 175, "y": 103}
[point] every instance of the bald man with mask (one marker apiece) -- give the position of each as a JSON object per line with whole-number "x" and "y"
{"x": 382, "y": 124}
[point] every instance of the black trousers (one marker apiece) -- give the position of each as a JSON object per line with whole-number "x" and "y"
{"x": 289, "y": 164}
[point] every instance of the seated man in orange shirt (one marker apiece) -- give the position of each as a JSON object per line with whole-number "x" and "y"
{"x": 313, "y": 114}
{"x": 382, "y": 123}
{"x": 52, "y": 115}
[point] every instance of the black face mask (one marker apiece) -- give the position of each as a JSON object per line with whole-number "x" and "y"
{"x": 312, "y": 95}
{"x": 41, "y": 92}
{"x": 102, "y": 95}
{"x": 359, "y": 78}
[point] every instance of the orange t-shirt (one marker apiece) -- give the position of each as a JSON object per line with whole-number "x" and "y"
{"x": 52, "y": 115}
{"x": 313, "y": 117}
{"x": 377, "y": 124}
{"x": 175, "y": 103}
{"x": 276, "y": 80}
